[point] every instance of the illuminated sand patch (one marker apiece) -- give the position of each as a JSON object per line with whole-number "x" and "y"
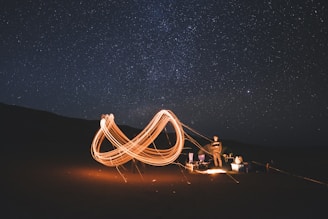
{"x": 112, "y": 176}
{"x": 153, "y": 176}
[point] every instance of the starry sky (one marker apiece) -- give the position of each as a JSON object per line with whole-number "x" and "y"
{"x": 252, "y": 71}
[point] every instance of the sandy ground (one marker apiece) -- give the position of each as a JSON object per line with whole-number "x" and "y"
{"x": 47, "y": 172}
{"x": 33, "y": 188}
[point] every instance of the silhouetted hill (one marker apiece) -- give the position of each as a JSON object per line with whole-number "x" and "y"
{"x": 36, "y": 132}
{"x": 30, "y": 134}
{"x": 22, "y": 125}
{"x": 30, "y": 130}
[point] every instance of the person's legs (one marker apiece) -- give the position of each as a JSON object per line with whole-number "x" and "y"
{"x": 215, "y": 160}
{"x": 220, "y": 161}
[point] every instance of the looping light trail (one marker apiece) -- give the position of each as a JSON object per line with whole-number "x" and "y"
{"x": 125, "y": 149}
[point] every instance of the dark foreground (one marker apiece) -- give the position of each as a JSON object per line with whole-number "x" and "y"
{"x": 35, "y": 188}
{"x": 47, "y": 172}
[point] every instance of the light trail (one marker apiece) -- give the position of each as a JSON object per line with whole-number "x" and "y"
{"x": 125, "y": 149}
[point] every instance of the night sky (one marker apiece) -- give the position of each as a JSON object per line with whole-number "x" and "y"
{"x": 252, "y": 71}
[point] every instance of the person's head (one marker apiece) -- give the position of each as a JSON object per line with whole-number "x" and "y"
{"x": 215, "y": 138}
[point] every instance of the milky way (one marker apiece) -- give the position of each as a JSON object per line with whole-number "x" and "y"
{"x": 253, "y": 71}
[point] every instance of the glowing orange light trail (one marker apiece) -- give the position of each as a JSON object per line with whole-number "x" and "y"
{"x": 126, "y": 149}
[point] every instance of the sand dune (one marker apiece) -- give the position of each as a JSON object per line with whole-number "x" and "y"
{"x": 56, "y": 177}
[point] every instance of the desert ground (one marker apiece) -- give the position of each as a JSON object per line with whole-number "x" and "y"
{"x": 63, "y": 188}
{"x": 48, "y": 172}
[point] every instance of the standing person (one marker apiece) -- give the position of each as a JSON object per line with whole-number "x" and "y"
{"x": 216, "y": 151}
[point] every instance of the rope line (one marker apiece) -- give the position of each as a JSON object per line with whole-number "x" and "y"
{"x": 291, "y": 174}
{"x": 196, "y": 132}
